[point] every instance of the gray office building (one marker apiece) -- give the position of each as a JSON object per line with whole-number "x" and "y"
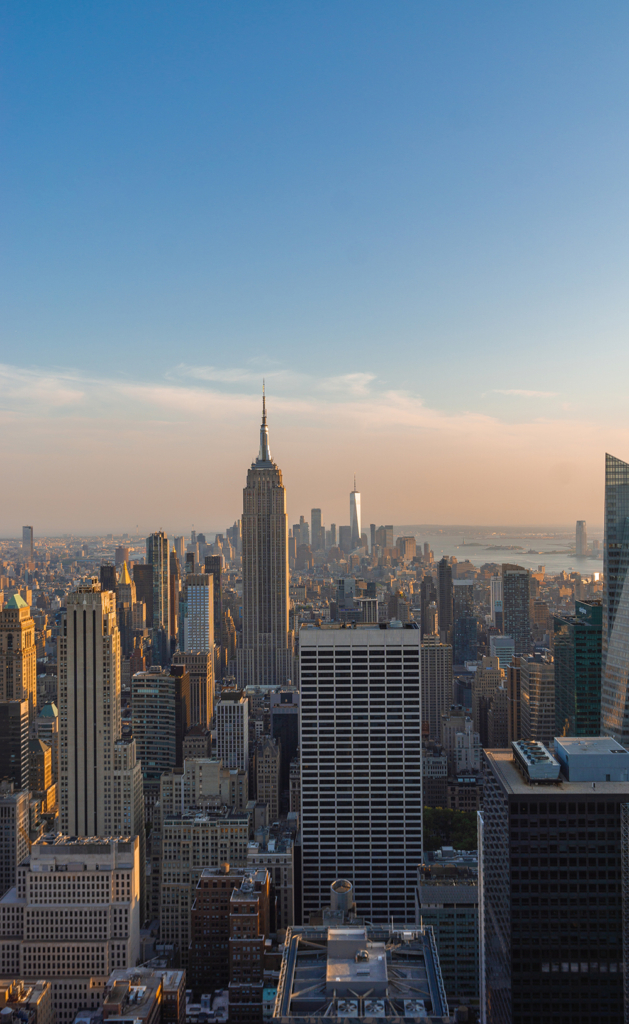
{"x": 615, "y": 654}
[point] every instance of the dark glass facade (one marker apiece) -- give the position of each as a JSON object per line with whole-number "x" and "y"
{"x": 615, "y": 683}
{"x": 551, "y": 932}
{"x": 577, "y": 647}
{"x": 516, "y": 618}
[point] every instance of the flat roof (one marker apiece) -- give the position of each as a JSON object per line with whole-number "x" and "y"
{"x": 504, "y": 767}
{"x": 590, "y": 745}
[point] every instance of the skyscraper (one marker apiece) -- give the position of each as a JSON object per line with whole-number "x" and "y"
{"x": 28, "y": 542}
{"x": 157, "y": 557}
{"x": 577, "y": 651}
{"x": 436, "y": 682}
{"x": 18, "y": 654}
{"x": 354, "y": 516}
{"x": 615, "y": 682}
{"x": 581, "y": 539}
{"x": 361, "y": 766}
{"x": 266, "y": 655}
{"x": 317, "y": 535}
{"x": 199, "y": 619}
{"x": 89, "y": 711}
{"x": 516, "y": 619}
{"x": 214, "y": 566}
{"x": 445, "y": 599}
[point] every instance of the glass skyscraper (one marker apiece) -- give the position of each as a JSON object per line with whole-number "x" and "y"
{"x": 577, "y": 650}
{"x": 615, "y": 682}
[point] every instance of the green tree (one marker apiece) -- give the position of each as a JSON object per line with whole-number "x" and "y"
{"x": 443, "y": 827}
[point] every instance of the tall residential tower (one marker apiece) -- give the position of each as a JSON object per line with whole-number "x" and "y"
{"x": 354, "y": 516}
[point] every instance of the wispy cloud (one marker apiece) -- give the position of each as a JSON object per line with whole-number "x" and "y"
{"x": 523, "y": 393}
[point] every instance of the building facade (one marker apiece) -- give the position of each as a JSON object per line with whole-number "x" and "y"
{"x": 436, "y": 682}
{"x": 232, "y": 729}
{"x": 577, "y": 650}
{"x": 516, "y": 618}
{"x": 361, "y": 766}
{"x": 266, "y": 655}
{"x": 18, "y": 654}
{"x": 615, "y": 681}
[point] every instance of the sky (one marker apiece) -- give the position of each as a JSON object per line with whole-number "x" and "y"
{"x": 410, "y": 218}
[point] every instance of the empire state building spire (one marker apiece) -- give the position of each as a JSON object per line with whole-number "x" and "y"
{"x": 265, "y": 452}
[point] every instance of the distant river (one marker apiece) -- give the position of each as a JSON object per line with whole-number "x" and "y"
{"x": 512, "y": 549}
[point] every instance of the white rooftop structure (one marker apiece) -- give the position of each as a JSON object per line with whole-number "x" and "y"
{"x": 592, "y": 759}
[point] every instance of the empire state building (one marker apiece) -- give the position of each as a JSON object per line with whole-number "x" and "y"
{"x": 266, "y": 655}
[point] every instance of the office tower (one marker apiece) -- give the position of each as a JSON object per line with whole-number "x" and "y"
{"x": 537, "y": 698}
{"x": 447, "y": 902}
{"x": 460, "y": 740}
{"x": 434, "y": 775}
{"x": 514, "y": 704}
{"x": 495, "y": 601}
{"x": 407, "y": 548}
{"x": 213, "y": 566}
{"x": 436, "y": 685}
{"x": 89, "y": 710}
{"x": 498, "y": 718}
{"x": 581, "y": 539}
{"x": 317, "y": 532}
{"x": 179, "y": 546}
{"x": 160, "y": 718}
{"x": 232, "y": 729}
{"x": 295, "y": 791}
{"x": 615, "y": 681}
{"x": 361, "y": 786}
{"x": 28, "y": 543}
{"x": 267, "y": 763}
{"x": 74, "y": 916}
{"x": 284, "y": 713}
{"x": 126, "y": 600}
{"x": 332, "y": 543}
{"x": 158, "y": 558}
{"x": 108, "y": 577}
{"x": 249, "y": 925}
{"x": 199, "y": 666}
{"x": 384, "y": 537}
{"x": 18, "y": 654}
{"x": 550, "y": 893}
{"x": 122, "y": 555}
{"x": 14, "y": 742}
{"x": 465, "y": 631}
{"x": 192, "y": 841}
{"x": 345, "y": 539}
{"x": 503, "y": 648}
{"x": 41, "y": 784}
{"x": 14, "y": 838}
{"x": 143, "y": 579}
{"x": 354, "y": 516}
{"x": 266, "y": 655}
{"x": 174, "y": 585}
{"x": 577, "y": 649}
{"x": 445, "y": 599}
{"x": 46, "y": 728}
{"x": 372, "y": 537}
{"x": 515, "y": 607}
{"x": 428, "y": 595}
{"x": 199, "y": 616}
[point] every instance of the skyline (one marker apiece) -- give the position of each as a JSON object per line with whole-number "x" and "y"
{"x": 412, "y": 222}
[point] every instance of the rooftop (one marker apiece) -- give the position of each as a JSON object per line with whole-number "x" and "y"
{"x": 514, "y": 784}
{"x": 359, "y": 971}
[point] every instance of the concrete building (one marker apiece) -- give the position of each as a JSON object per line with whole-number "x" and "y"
{"x": 445, "y": 600}
{"x": 488, "y": 678}
{"x": 191, "y": 842}
{"x": 266, "y": 655}
{"x": 460, "y": 740}
{"x": 537, "y": 698}
{"x": 202, "y": 784}
{"x": 73, "y": 916}
{"x": 28, "y": 543}
{"x": 46, "y": 728}
{"x": 160, "y": 702}
{"x": 447, "y": 901}
{"x": 267, "y": 767}
{"x": 198, "y": 740}
{"x": 434, "y": 775}
{"x": 89, "y": 711}
{"x": 284, "y": 722}
{"x": 249, "y": 926}
{"x": 210, "y": 925}
{"x": 581, "y": 539}
{"x": 18, "y": 654}
{"x": 495, "y": 601}
{"x": 144, "y": 995}
{"x": 14, "y": 829}
{"x": 128, "y": 803}
{"x": 551, "y": 924}
{"x": 275, "y": 850}
{"x": 361, "y": 787}
{"x": 295, "y": 785}
{"x": 514, "y": 705}
{"x": 157, "y": 557}
{"x": 436, "y": 675}
{"x": 26, "y": 1001}
{"x": 232, "y": 729}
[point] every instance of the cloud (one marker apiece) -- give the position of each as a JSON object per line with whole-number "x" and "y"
{"x": 348, "y": 383}
{"x": 523, "y": 393}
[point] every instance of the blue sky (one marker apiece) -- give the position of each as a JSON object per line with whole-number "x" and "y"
{"x": 418, "y": 208}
